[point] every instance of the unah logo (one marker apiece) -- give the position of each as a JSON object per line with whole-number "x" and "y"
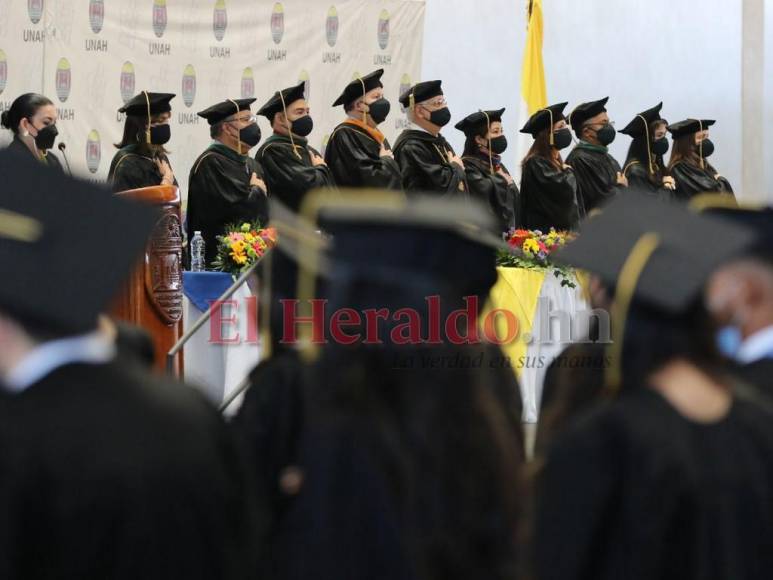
{"x": 405, "y": 84}
{"x": 159, "y": 17}
{"x": 127, "y": 81}
{"x": 63, "y": 79}
{"x": 35, "y": 10}
{"x": 189, "y": 85}
{"x": 219, "y": 20}
{"x": 93, "y": 151}
{"x": 331, "y": 26}
{"x": 277, "y": 23}
{"x": 248, "y": 84}
{"x": 383, "y": 29}
{"x": 304, "y": 78}
{"x": 96, "y": 15}
{"x": 3, "y": 71}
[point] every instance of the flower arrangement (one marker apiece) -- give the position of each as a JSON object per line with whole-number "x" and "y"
{"x": 532, "y": 250}
{"x": 241, "y": 246}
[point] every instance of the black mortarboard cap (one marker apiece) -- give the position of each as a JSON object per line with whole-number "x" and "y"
{"x": 689, "y": 126}
{"x": 585, "y": 111}
{"x": 217, "y": 113}
{"x": 288, "y": 95}
{"x": 541, "y": 120}
{"x": 478, "y": 122}
{"x": 689, "y": 248}
{"x": 359, "y": 86}
{"x": 638, "y": 127}
{"x": 760, "y": 220}
{"x": 138, "y": 105}
{"x": 66, "y": 245}
{"x": 421, "y": 92}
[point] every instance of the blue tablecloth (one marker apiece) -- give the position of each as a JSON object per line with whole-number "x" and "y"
{"x": 201, "y": 288}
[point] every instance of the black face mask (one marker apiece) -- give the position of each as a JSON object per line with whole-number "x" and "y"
{"x": 562, "y": 138}
{"x": 378, "y": 110}
{"x": 441, "y": 117}
{"x": 707, "y": 149}
{"x": 46, "y": 136}
{"x": 499, "y": 144}
{"x": 250, "y": 135}
{"x": 160, "y": 134}
{"x": 606, "y": 135}
{"x": 302, "y": 126}
{"x": 660, "y": 146}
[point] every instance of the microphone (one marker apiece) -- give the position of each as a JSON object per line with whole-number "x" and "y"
{"x": 62, "y": 147}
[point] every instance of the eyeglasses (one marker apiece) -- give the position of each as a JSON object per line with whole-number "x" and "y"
{"x": 610, "y": 123}
{"x": 436, "y": 103}
{"x": 250, "y": 119}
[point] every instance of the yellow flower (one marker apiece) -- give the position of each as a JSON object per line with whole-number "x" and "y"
{"x": 530, "y": 246}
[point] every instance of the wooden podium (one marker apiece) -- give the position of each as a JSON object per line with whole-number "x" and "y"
{"x": 152, "y": 297}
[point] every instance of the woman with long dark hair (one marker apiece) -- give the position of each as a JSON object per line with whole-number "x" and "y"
{"x": 32, "y": 120}
{"x": 548, "y": 186}
{"x": 644, "y": 167}
{"x": 689, "y": 166}
{"x": 142, "y": 159}
{"x": 671, "y": 478}
{"x": 488, "y": 179}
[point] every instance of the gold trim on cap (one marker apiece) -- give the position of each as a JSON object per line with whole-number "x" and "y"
{"x": 289, "y": 125}
{"x": 18, "y": 227}
{"x": 147, "y": 129}
{"x": 238, "y": 139}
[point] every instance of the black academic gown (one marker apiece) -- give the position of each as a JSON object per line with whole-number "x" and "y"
{"x": 548, "y": 196}
{"x": 638, "y": 179}
{"x": 289, "y": 172}
{"x": 48, "y": 159}
{"x": 114, "y": 474}
{"x": 131, "y": 169}
{"x": 423, "y": 161}
{"x": 220, "y": 194}
{"x": 759, "y": 375}
{"x": 692, "y": 180}
{"x": 596, "y": 171}
{"x": 492, "y": 190}
{"x": 637, "y": 491}
{"x": 352, "y": 155}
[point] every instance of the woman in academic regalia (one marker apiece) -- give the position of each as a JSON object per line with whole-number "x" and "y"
{"x": 644, "y": 166}
{"x": 548, "y": 185}
{"x": 32, "y": 120}
{"x": 142, "y": 160}
{"x": 488, "y": 180}
{"x": 671, "y": 478}
{"x": 688, "y": 166}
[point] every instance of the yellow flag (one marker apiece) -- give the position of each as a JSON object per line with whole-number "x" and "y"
{"x": 533, "y": 72}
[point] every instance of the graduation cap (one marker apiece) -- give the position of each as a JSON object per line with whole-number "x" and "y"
{"x": 640, "y": 125}
{"x": 281, "y": 100}
{"x": 359, "y": 87}
{"x": 61, "y": 277}
{"x": 421, "y": 92}
{"x": 216, "y": 113}
{"x": 658, "y": 253}
{"x": 689, "y": 126}
{"x": 479, "y": 122}
{"x": 585, "y": 111}
{"x": 147, "y": 104}
{"x": 757, "y": 219}
{"x": 544, "y": 119}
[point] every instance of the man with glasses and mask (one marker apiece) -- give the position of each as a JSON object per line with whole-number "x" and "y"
{"x": 599, "y": 176}
{"x": 225, "y": 184}
{"x": 427, "y": 161}
{"x": 291, "y": 166}
{"x": 357, "y": 153}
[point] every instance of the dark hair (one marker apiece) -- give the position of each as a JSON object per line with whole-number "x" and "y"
{"x": 23, "y": 107}
{"x": 684, "y": 150}
{"x": 542, "y": 148}
{"x": 134, "y": 129}
{"x": 349, "y": 107}
{"x": 638, "y": 152}
{"x": 216, "y": 129}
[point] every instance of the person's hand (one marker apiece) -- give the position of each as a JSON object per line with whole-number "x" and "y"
{"x": 566, "y": 167}
{"x": 384, "y": 152}
{"x": 669, "y": 182}
{"x": 455, "y": 159}
{"x": 256, "y": 181}
{"x": 167, "y": 176}
{"x": 622, "y": 179}
{"x": 717, "y": 177}
{"x": 316, "y": 160}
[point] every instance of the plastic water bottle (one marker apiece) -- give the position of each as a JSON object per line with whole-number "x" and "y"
{"x": 197, "y": 253}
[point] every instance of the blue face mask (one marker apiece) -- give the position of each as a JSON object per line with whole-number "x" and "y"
{"x": 729, "y": 341}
